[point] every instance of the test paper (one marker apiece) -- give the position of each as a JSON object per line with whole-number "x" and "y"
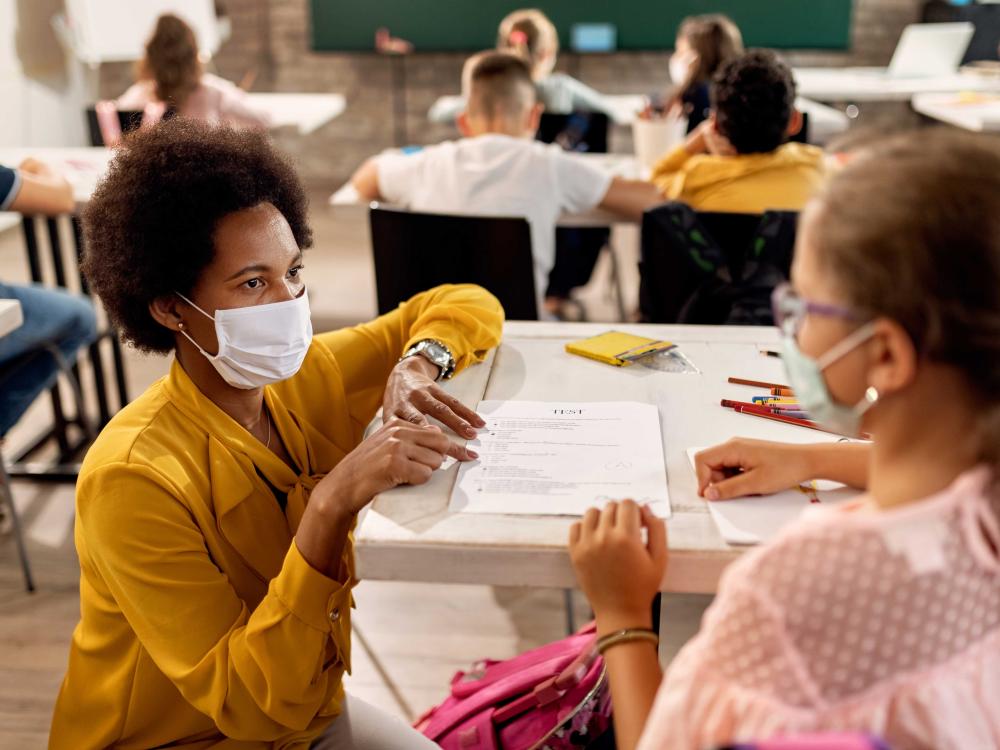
{"x": 559, "y": 459}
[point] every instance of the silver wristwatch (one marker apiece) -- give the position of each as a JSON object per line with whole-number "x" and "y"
{"x": 436, "y": 353}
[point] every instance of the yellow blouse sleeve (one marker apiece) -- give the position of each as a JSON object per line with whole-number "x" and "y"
{"x": 257, "y": 674}
{"x": 666, "y": 169}
{"x": 464, "y": 317}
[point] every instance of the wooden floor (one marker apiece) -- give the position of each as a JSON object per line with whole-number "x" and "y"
{"x": 410, "y": 638}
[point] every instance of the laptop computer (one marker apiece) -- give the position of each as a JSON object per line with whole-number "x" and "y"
{"x": 930, "y": 49}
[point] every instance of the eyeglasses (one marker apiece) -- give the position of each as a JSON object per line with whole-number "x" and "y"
{"x": 790, "y": 309}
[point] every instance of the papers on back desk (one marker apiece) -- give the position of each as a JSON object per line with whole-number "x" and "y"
{"x": 558, "y": 459}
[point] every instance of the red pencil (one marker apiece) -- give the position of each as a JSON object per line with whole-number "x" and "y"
{"x": 758, "y": 411}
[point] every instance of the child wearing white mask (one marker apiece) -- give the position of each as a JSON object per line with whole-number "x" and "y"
{"x": 704, "y": 44}
{"x": 880, "y": 616}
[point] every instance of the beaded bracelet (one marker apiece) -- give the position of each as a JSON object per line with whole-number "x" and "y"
{"x": 627, "y": 636}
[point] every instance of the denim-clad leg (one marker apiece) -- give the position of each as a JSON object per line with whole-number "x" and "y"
{"x": 51, "y": 316}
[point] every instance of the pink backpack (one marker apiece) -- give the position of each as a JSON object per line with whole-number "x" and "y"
{"x": 552, "y": 698}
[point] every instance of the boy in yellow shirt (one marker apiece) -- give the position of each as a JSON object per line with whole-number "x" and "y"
{"x": 739, "y": 159}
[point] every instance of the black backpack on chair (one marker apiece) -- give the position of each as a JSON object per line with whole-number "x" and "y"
{"x": 713, "y": 268}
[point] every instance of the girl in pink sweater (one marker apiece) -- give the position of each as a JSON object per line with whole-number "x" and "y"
{"x": 171, "y": 76}
{"x": 882, "y": 616}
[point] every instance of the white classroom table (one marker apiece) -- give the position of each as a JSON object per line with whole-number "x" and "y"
{"x": 83, "y": 167}
{"x": 977, "y": 112}
{"x": 348, "y": 206}
{"x": 824, "y": 122}
{"x": 874, "y": 84}
{"x": 409, "y": 534}
{"x": 11, "y": 316}
{"x": 307, "y": 112}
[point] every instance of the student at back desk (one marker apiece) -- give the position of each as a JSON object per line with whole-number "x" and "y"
{"x": 739, "y": 159}
{"x": 171, "y": 76}
{"x": 497, "y": 169}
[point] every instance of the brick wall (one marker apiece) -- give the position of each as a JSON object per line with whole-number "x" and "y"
{"x": 272, "y": 36}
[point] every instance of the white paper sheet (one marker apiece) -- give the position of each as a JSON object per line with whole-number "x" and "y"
{"x": 558, "y": 459}
{"x": 756, "y": 519}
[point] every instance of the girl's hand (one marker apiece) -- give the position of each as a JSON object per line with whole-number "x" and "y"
{"x": 411, "y": 394}
{"x": 743, "y": 467}
{"x": 617, "y": 570}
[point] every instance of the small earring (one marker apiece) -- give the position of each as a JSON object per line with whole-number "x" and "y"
{"x": 180, "y": 326}
{"x": 871, "y": 395}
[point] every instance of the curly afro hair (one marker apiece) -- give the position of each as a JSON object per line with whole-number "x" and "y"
{"x": 148, "y": 229}
{"x": 753, "y": 97}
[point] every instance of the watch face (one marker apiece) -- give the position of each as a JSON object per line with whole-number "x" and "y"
{"x": 436, "y": 352}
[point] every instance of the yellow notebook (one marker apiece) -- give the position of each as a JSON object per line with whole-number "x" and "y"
{"x": 617, "y": 348}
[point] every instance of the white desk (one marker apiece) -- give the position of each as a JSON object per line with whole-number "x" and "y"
{"x": 307, "y": 112}
{"x": 348, "y": 206}
{"x": 10, "y": 316}
{"x": 872, "y": 84}
{"x": 83, "y": 167}
{"x": 976, "y": 112}
{"x": 409, "y": 534}
{"x": 824, "y": 122}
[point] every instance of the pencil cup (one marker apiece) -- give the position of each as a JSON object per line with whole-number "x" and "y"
{"x": 653, "y": 138}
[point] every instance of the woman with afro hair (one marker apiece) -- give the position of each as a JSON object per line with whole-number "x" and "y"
{"x": 214, "y": 514}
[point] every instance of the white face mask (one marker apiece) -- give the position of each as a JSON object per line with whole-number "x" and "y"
{"x": 680, "y": 66}
{"x": 260, "y": 344}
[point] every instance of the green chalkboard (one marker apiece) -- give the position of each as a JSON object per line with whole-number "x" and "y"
{"x": 465, "y": 25}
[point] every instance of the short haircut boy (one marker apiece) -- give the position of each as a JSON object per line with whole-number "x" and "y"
{"x": 498, "y": 85}
{"x": 753, "y": 97}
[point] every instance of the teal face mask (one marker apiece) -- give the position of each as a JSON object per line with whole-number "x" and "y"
{"x": 805, "y": 376}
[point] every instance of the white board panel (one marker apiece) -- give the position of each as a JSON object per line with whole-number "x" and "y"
{"x": 117, "y": 30}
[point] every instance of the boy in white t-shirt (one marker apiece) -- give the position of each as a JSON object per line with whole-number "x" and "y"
{"x": 498, "y": 169}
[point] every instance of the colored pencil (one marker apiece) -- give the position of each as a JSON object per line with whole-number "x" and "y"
{"x": 782, "y": 390}
{"x": 756, "y": 383}
{"x": 780, "y": 410}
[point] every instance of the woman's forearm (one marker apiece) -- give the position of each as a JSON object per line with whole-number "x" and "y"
{"x": 322, "y": 537}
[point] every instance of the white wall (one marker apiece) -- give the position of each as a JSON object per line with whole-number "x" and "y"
{"x": 43, "y": 107}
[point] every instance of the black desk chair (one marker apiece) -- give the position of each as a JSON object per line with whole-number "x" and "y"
{"x": 71, "y": 433}
{"x": 713, "y": 268}
{"x": 414, "y": 252}
{"x": 10, "y": 371}
{"x": 585, "y": 132}
{"x": 128, "y": 120}
{"x": 803, "y": 135}
{"x": 577, "y": 249}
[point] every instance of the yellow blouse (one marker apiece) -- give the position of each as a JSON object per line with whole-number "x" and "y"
{"x": 201, "y": 624}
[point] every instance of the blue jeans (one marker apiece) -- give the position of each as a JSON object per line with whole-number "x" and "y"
{"x": 51, "y": 317}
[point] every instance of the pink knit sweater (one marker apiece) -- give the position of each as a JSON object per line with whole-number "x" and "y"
{"x": 853, "y": 618}
{"x": 216, "y": 101}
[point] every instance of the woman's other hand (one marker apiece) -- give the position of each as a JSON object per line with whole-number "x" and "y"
{"x": 412, "y": 395}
